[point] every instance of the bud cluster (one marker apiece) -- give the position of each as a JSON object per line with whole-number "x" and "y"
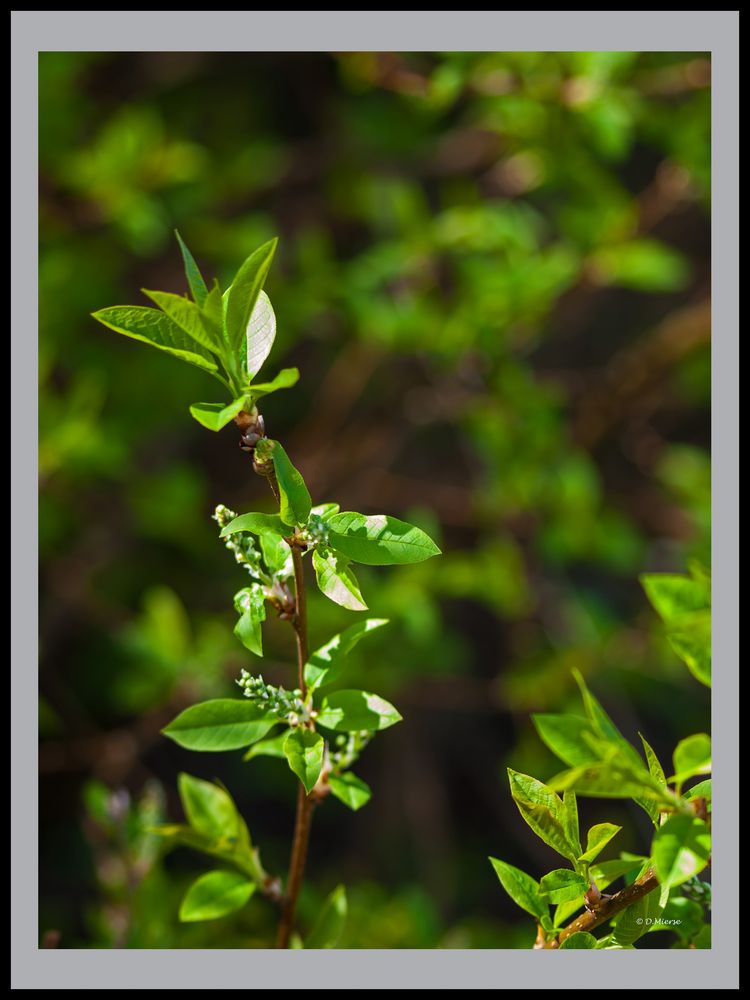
{"x": 315, "y": 531}
{"x": 241, "y": 545}
{"x": 698, "y": 891}
{"x": 287, "y": 705}
{"x": 348, "y": 748}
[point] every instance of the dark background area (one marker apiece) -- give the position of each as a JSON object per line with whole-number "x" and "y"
{"x": 493, "y": 274}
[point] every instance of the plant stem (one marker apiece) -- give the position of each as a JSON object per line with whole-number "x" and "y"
{"x": 609, "y": 907}
{"x": 305, "y": 802}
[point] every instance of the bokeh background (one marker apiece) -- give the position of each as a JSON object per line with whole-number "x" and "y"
{"x": 493, "y": 273}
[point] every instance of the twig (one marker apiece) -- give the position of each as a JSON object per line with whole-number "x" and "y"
{"x": 609, "y": 907}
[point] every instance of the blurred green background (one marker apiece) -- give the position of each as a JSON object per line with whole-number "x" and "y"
{"x": 493, "y": 273}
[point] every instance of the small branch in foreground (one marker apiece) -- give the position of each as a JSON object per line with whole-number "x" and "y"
{"x": 609, "y": 907}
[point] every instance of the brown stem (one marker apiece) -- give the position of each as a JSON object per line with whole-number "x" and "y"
{"x": 300, "y": 618}
{"x": 305, "y": 802}
{"x": 609, "y": 907}
{"x": 302, "y": 822}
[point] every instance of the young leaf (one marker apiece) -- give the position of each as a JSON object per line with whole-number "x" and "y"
{"x": 272, "y": 747}
{"x": 562, "y": 885}
{"x": 379, "y": 540}
{"x": 692, "y": 643}
{"x": 654, "y": 766}
{"x": 244, "y": 293}
{"x": 329, "y": 926}
{"x": 189, "y": 317}
{"x": 681, "y": 848}
{"x": 544, "y": 812}
{"x": 570, "y": 819}
{"x": 220, "y": 724}
{"x": 261, "y": 332}
{"x": 304, "y": 752}
{"x": 215, "y": 894}
{"x": 351, "y": 711}
{"x": 563, "y": 734}
{"x": 598, "y": 837}
{"x": 258, "y": 524}
{"x": 581, "y": 939}
{"x": 295, "y": 497}
{"x": 522, "y": 889}
{"x": 336, "y": 579}
{"x": 213, "y": 307}
{"x": 700, "y": 791}
{"x": 214, "y": 416}
{"x": 675, "y": 596}
{"x": 325, "y": 664}
{"x": 155, "y": 328}
{"x": 326, "y": 510}
{"x": 691, "y": 756}
{"x": 195, "y": 281}
{"x": 276, "y": 554}
{"x": 286, "y": 378}
{"x": 633, "y": 922}
{"x": 209, "y": 808}
{"x": 603, "y": 874}
{"x": 248, "y": 628}
{"x": 350, "y": 790}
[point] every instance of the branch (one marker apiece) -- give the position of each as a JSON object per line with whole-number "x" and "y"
{"x": 608, "y": 908}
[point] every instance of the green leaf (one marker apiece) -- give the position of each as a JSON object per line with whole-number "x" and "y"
{"x": 352, "y": 711}
{"x": 681, "y": 848}
{"x": 562, "y": 885}
{"x": 214, "y": 895}
{"x": 692, "y": 643}
{"x": 544, "y": 812}
{"x": 676, "y": 596}
{"x": 220, "y": 724}
{"x": 581, "y": 939}
{"x": 276, "y": 554}
{"x": 598, "y": 837}
{"x": 326, "y": 664}
{"x": 350, "y": 790}
{"x": 563, "y": 735}
{"x": 248, "y": 629}
{"x": 570, "y": 819}
{"x": 337, "y": 580}
{"x": 258, "y": 524}
{"x": 379, "y": 540}
{"x": 295, "y": 497}
{"x": 603, "y": 874}
{"x": 326, "y": 510}
{"x": 209, "y": 808}
{"x": 692, "y": 756}
{"x": 214, "y": 416}
{"x": 635, "y": 921}
{"x": 700, "y": 791}
{"x": 286, "y": 378}
{"x": 194, "y": 277}
{"x": 272, "y": 747}
{"x": 243, "y": 295}
{"x": 155, "y": 328}
{"x": 213, "y": 307}
{"x": 304, "y": 752}
{"x": 189, "y": 317}
{"x": 681, "y": 916}
{"x": 261, "y": 333}
{"x": 329, "y": 926}
{"x": 654, "y": 766}
{"x": 522, "y": 889}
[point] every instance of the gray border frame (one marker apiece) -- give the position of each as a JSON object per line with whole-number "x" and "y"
{"x": 700, "y": 31}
